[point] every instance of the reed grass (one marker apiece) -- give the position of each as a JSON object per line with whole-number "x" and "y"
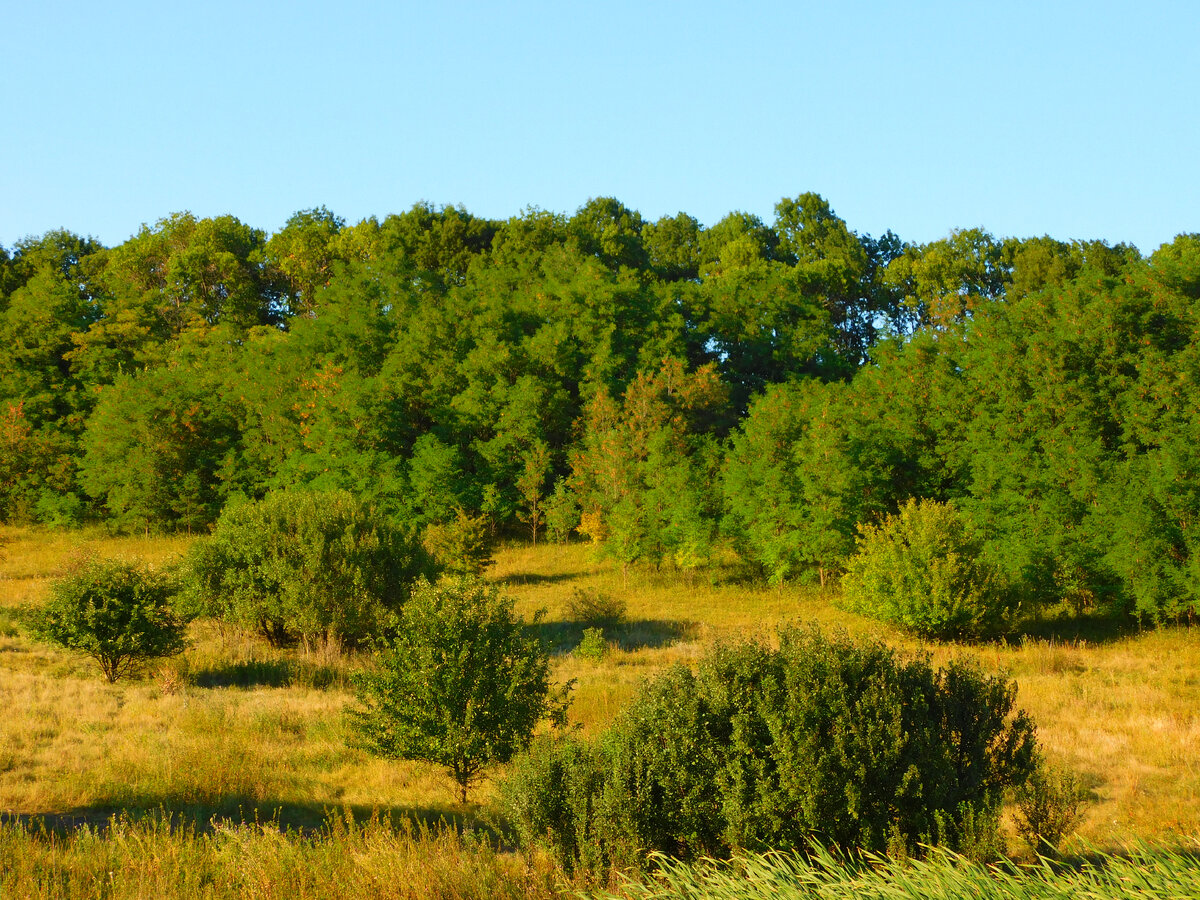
{"x": 1143, "y": 873}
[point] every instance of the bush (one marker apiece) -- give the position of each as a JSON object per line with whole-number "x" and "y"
{"x": 592, "y": 645}
{"x": 592, "y": 607}
{"x": 462, "y": 685}
{"x": 1048, "y": 805}
{"x": 921, "y": 569}
{"x": 305, "y": 565}
{"x": 770, "y": 748}
{"x": 462, "y": 546}
{"x": 118, "y": 613}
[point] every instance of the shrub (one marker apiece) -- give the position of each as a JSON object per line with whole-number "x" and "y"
{"x": 118, "y": 613}
{"x": 921, "y": 569}
{"x": 592, "y": 646}
{"x": 1048, "y": 805}
{"x": 593, "y": 607}
{"x": 462, "y": 546}
{"x": 301, "y": 564}
{"x": 462, "y": 685}
{"x": 549, "y": 793}
{"x": 767, "y": 748}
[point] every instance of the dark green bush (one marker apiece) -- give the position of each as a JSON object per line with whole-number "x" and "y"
{"x": 550, "y": 794}
{"x": 921, "y": 569}
{"x": 119, "y": 613}
{"x": 764, "y": 748}
{"x": 302, "y": 564}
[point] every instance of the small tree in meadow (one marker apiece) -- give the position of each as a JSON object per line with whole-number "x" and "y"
{"x": 531, "y": 484}
{"x": 921, "y": 569}
{"x": 461, "y": 546}
{"x": 119, "y": 613}
{"x": 462, "y": 685}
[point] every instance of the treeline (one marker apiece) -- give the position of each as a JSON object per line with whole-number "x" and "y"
{"x": 661, "y": 387}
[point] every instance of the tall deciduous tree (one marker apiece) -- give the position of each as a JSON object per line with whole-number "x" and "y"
{"x": 643, "y": 471}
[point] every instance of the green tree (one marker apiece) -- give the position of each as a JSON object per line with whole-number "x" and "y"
{"x": 304, "y": 252}
{"x": 947, "y": 282}
{"x": 830, "y": 262}
{"x": 606, "y": 228}
{"x": 922, "y": 569}
{"x": 304, "y": 565}
{"x": 462, "y": 685}
{"x": 462, "y": 545}
{"x": 642, "y": 473}
{"x": 119, "y": 613}
{"x": 562, "y": 511}
{"x": 673, "y": 247}
{"x": 162, "y": 448}
{"x": 532, "y": 486}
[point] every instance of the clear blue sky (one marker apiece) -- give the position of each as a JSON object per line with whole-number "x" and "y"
{"x": 1078, "y": 120}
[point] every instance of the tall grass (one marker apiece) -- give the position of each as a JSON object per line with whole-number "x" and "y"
{"x": 150, "y": 859}
{"x": 1147, "y": 873}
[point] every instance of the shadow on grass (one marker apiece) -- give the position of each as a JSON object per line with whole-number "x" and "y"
{"x": 277, "y": 673}
{"x": 1092, "y": 627}
{"x": 564, "y": 637}
{"x": 303, "y": 818}
{"x": 531, "y": 578}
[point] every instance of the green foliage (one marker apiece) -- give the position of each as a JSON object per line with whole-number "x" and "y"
{"x": 820, "y": 739}
{"x": 462, "y": 546}
{"x": 161, "y": 449}
{"x": 643, "y": 470}
{"x": 1048, "y": 805}
{"x": 119, "y": 613}
{"x": 921, "y": 569}
{"x": 592, "y": 646}
{"x": 463, "y": 683}
{"x": 301, "y": 564}
{"x": 435, "y": 361}
{"x": 438, "y": 487}
{"x": 594, "y": 607}
{"x": 562, "y": 512}
{"x": 531, "y": 485}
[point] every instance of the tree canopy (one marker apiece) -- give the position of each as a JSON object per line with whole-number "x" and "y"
{"x": 775, "y": 385}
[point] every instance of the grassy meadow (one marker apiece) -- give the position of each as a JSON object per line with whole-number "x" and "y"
{"x": 235, "y": 730}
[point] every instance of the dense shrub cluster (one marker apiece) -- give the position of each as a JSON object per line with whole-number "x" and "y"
{"x": 922, "y": 569}
{"x": 304, "y": 564}
{"x": 764, "y": 748}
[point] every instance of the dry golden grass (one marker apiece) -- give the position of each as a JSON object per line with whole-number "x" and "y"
{"x": 235, "y": 728}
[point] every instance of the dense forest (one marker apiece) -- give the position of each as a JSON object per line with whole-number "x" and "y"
{"x": 663, "y": 388}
